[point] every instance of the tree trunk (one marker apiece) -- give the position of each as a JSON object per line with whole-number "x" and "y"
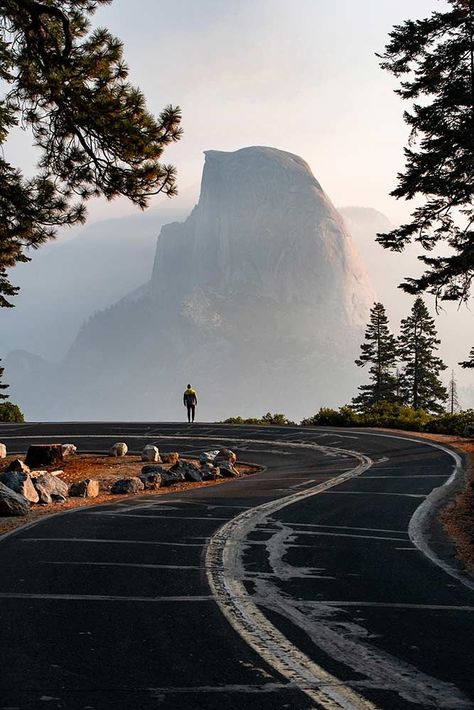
{"x": 40, "y": 455}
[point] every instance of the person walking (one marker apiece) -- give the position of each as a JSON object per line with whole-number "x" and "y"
{"x": 190, "y": 401}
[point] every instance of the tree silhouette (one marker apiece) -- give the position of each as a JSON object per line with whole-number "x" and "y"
{"x": 421, "y": 387}
{"x": 379, "y": 350}
{"x": 434, "y": 60}
{"x": 94, "y": 135}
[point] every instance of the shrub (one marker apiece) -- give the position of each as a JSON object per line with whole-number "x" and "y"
{"x": 266, "y": 420}
{"x": 394, "y": 416}
{"x": 276, "y": 419}
{"x": 344, "y": 416}
{"x": 10, "y": 413}
{"x": 459, "y": 424}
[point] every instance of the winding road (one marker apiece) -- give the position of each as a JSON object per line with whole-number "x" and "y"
{"x": 301, "y": 586}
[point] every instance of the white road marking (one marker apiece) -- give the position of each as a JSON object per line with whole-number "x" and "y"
{"x": 306, "y": 482}
{"x": 118, "y": 564}
{"x": 104, "y": 597}
{"x": 398, "y": 605}
{"x": 378, "y": 493}
{"x": 108, "y": 542}
{"x": 409, "y": 476}
{"x": 237, "y": 606}
{"x": 355, "y": 537}
{"x": 346, "y": 527}
{"x": 154, "y": 517}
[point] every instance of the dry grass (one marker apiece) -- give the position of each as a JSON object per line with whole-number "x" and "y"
{"x": 106, "y": 470}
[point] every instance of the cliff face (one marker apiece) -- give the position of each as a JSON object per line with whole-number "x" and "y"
{"x": 258, "y": 299}
{"x": 264, "y": 228}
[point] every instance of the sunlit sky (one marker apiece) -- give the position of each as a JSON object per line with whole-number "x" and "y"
{"x": 301, "y": 76}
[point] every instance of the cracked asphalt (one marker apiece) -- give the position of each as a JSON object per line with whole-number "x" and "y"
{"x": 111, "y": 606}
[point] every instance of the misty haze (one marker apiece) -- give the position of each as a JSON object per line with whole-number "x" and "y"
{"x": 236, "y": 355}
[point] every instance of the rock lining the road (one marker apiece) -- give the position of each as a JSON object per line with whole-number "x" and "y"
{"x": 12, "y": 503}
{"x": 21, "y": 483}
{"x": 103, "y": 472}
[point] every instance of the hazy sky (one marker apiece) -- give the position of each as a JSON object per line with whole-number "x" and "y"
{"x": 301, "y": 76}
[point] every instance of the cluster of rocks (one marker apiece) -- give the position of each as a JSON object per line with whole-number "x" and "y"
{"x": 212, "y": 466}
{"x": 22, "y": 486}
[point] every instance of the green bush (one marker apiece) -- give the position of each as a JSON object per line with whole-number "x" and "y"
{"x": 10, "y": 413}
{"x": 277, "y": 420}
{"x": 391, "y": 415}
{"x": 266, "y": 420}
{"x": 459, "y": 424}
{"x": 344, "y": 416}
{"x": 394, "y": 416}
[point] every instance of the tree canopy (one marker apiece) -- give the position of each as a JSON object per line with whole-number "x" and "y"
{"x": 434, "y": 60}
{"x": 68, "y": 87}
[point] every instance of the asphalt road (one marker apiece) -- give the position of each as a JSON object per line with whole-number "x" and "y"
{"x": 296, "y": 587}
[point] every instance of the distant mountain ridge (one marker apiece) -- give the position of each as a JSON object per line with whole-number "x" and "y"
{"x": 256, "y": 299}
{"x": 66, "y": 283}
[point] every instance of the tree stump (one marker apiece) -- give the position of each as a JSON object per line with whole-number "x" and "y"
{"x": 40, "y": 455}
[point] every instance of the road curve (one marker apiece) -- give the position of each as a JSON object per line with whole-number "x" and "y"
{"x": 297, "y": 587}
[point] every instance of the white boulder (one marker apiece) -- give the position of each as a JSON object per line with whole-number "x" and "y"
{"x": 3, "y": 451}
{"x": 69, "y": 450}
{"x": 118, "y": 449}
{"x": 208, "y": 456}
{"x": 50, "y": 488}
{"x": 151, "y": 453}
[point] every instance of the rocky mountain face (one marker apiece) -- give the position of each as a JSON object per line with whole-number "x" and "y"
{"x": 258, "y": 299}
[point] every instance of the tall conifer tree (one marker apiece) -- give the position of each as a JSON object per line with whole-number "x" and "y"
{"x": 421, "y": 387}
{"x": 434, "y": 60}
{"x": 2, "y": 386}
{"x": 380, "y": 352}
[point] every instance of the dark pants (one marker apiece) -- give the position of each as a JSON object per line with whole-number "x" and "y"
{"x": 191, "y": 412}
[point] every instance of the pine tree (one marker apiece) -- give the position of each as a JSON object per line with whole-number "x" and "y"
{"x": 380, "y": 352}
{"x": 453, "y": 394}
{"x": 421, "y": 387}
{"x": 94, "y": 135}
{"x": 434, "y": 60}
{"x": 470, "y": 361}
{"x": 2, "y": 387}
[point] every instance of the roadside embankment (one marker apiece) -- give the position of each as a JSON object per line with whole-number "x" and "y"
{"x": 457, "y": 517}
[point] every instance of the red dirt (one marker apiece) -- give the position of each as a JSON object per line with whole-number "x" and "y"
{"x": 106, "y": 470}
